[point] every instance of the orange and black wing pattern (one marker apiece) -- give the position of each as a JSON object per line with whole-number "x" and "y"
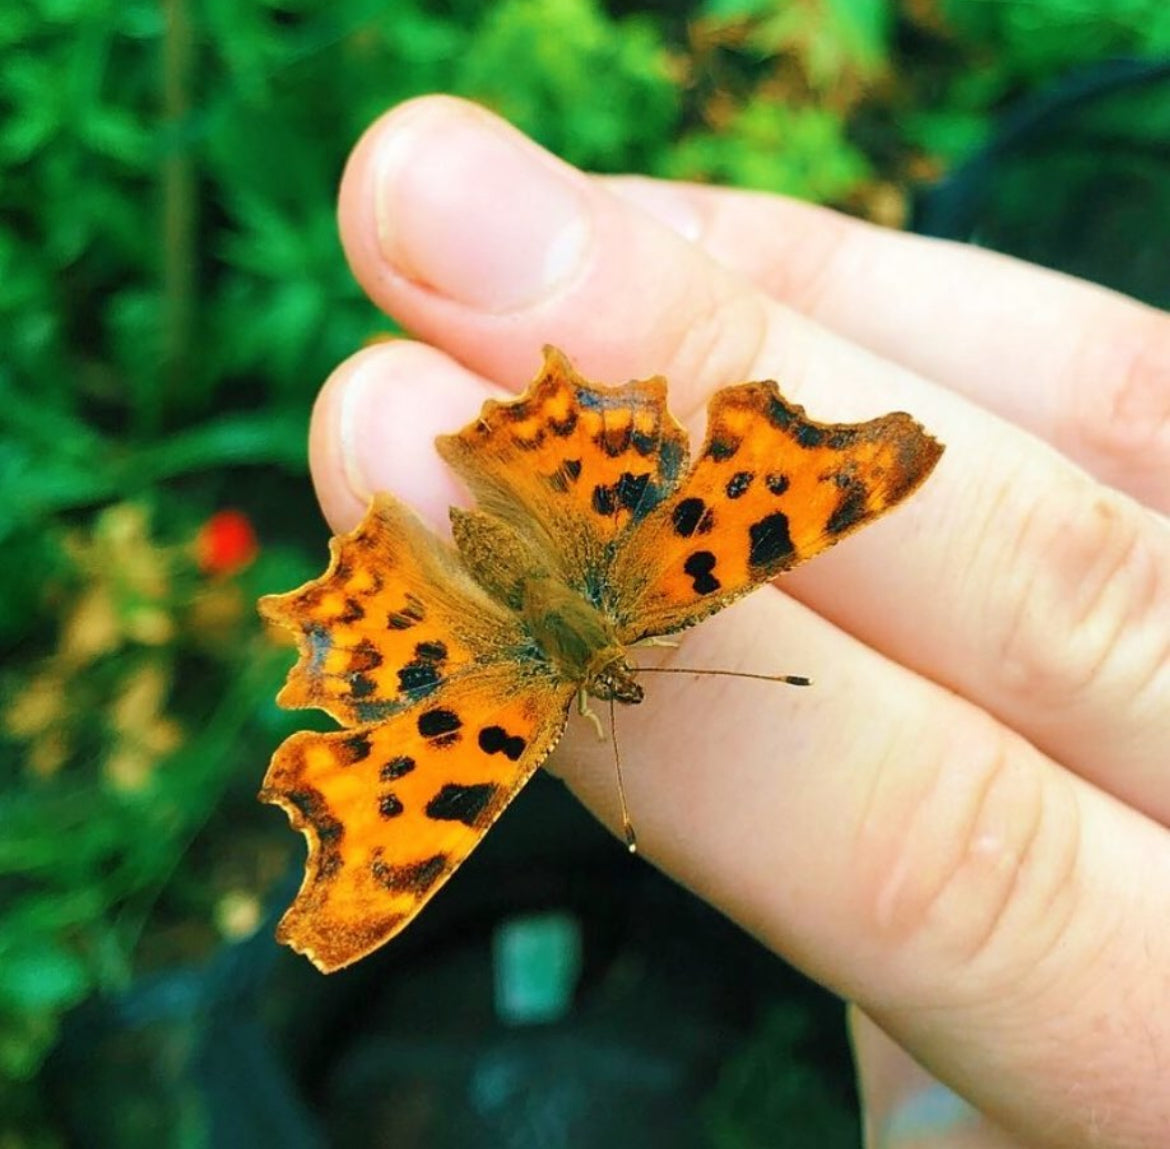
{"x": 770, "y": 489}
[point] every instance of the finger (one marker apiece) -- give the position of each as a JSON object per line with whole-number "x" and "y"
{"x": 1011, "y": 577}
{"x": 904, "y": 1107}
{"x": 1083, "y": 367}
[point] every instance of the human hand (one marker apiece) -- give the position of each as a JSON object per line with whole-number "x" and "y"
{"x": 962, "y": 827}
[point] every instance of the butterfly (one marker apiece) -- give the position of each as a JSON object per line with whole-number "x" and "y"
{"x": 452, "y": 666}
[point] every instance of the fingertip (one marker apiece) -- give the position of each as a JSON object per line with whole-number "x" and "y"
{"x": 374, "y": 426}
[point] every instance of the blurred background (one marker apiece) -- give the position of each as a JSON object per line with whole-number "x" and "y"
{"x": 172, "y": 293}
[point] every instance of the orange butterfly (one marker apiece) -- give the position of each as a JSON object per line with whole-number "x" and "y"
{"x": 453, "y": 668}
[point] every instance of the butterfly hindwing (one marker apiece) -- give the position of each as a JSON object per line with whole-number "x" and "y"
{"x": 770, "y": 489}
{"x": 390, "y": 810}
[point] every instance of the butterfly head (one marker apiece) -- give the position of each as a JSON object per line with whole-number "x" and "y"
{"x": 614, "y": 679}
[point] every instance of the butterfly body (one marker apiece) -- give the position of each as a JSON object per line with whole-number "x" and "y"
{"x": 452, "y": 668}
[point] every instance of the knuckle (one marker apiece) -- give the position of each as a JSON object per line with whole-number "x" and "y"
{"x": 1122, "y": 423}
{"x": 1089, "y": 597}
{"x": 981, "y": 878}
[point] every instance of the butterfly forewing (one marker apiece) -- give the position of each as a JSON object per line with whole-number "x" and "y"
{"x": 572, "y": 466}
{"x": 770, "y": 489}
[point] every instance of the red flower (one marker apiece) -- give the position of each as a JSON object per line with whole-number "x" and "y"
{"x": 226, "y": 543}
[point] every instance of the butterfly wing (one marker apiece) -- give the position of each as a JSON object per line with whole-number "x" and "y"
{"x": 391, "y": 620}
{"x": 770, "y": 488}
{"x": 570, "y": 468}
{"x": 391, "y": 810}
{"x": 449, "y": 706}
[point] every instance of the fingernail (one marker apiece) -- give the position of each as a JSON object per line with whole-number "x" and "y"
{"x": 471, "y": 209}
{"x": 930, "y": 1113}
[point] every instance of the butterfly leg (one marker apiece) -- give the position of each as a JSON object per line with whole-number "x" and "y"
{"x": 586, "y": 711}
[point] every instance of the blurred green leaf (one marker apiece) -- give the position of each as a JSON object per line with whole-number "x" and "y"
{"x": 596, "y": 91}
{"x": 39, "y": 977}
{"x": 801, "y": 152}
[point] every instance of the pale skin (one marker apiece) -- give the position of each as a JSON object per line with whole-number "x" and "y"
{"x": 961, "y": 827}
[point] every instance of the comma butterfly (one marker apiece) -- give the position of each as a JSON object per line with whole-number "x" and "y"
{"x": 452, "y": 668}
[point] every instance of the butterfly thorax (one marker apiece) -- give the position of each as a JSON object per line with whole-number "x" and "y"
{"x": 576, "y": 637}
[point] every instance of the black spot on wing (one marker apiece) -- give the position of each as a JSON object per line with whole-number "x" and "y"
{"x": 603, "y": 500}
{"x": 364, "y": 657}
{"x": 809, "y": 436}
{"x": 721, "y": 449}
{"x": 355, "y": 748}
{"x": 776, "y": 483}
{"x": 630, "y": 489}
{"x": 354, "y": 611}
{"x": 412, "y": 613}
{"x": 390, "y": 806}
{"x": 397, "y": 768}
{"x": 563, "y": 428}
{"x": 361, "y": 686}
{"x": 614, "y": 441}
{"x": 418, "y": 678}
{"x": 780, "y": 414}
{"x": 700, "y": 567}
{"x": 466, "y": 804}
{"x": 770, "y": 540}
{"x": 496, "y": 740}
{"x": 850, "y": 509}
{"x": 565, "y": 475}
{"x": 643, "y": 443}
{"x": 413, "y": 877}
{"x": 631, "y": 492}
{"x": 690, "y": 517}
{"x": 424, "y": 672}
{"x": 738, "y": 484}
{"x": 440, "y": 726}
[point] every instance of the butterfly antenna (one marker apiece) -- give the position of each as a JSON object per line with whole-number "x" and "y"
{"x": 627, "y": 825}
{"x": 787, "y": 679}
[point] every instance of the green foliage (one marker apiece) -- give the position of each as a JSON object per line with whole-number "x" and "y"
{"x": 598, "y": 93}
{"x": 1038, "y": 38}
{"x": 799, "y": 152}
